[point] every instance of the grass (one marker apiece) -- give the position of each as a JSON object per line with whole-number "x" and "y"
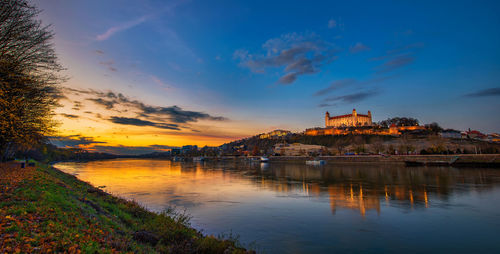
{"x": 45, "y": 210}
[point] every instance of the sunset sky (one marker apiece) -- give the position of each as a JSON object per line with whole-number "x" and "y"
{"x": 147, "y": 75}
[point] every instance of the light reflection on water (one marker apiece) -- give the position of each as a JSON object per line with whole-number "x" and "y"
{"x": 293, "y": 208}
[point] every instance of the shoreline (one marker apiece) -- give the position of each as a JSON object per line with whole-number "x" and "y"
{"x": 460, "y": 160}
{"x": 46, "y": 210}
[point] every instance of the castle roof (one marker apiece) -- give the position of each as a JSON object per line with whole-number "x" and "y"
{"x": 348, "y": 115}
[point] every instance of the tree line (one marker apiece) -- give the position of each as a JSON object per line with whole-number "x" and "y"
{"x": 29, "y": 78}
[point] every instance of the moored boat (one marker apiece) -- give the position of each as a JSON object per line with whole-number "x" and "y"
{"x": 315, "y": 162}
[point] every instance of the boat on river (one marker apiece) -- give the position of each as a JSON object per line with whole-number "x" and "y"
{"x": 264, "y": 159}
{"x": 199, "y": 159}
{"x": 315, "y": 162}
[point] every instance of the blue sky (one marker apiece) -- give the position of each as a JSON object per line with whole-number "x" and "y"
{"x": 282, "y": 64}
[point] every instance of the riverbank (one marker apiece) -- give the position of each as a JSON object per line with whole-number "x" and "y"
{"x": 45, "y": 210}
{"x": 460, "y": 160}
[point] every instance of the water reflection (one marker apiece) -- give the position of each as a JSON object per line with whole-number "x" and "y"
{"x": 275, "y": 202}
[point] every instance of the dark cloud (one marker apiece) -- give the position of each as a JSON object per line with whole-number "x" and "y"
{"x": 147, "y": 115}
{"x": 108, "y": 104}
{"x": 77, "y": 105}
{"x": 69, "y": 115}
{"x": 129, "y": 150}
{"x": 72, "y": 141}
{"x": 163, "y": 147}
{"x": 358, "y": 47}
{"x": 323, "y": 105}
{"x": 351, "y": 98}
{"x": 495, "y": 91}
{"x": 298, "y": 54}
{"x": 139, "y": 122}
{"x": 174, "y": 113}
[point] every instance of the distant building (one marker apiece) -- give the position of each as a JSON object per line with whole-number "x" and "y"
{"x": 350, "y": 120}
{"x": 189, "y": 148}
{"x": 473, "y": 134}
{"x": 274, "y": 134}
{"x": 297, "y": 149}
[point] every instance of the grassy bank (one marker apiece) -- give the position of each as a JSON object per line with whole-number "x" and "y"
{"x": 45, "y": 210}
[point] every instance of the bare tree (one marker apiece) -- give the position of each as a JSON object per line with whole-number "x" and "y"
{"x": 29, "y": 74}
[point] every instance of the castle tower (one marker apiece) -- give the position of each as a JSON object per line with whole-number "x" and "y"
{"x": 354, "y": 117}
{"x": 327, "y": 117}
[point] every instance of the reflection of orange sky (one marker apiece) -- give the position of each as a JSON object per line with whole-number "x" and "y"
{"x": 158, "y": 182}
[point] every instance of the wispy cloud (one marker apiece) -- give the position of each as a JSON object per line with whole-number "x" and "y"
{"x": 159, "y": 82}
{"x": 489, "y": 92}
{"x": 298, "y": 54}
{"x": 358, "y": 47}
{"x": 121, "y": 27}
{"x": 395, "y": 63}
{"x": 352, "y": 98}
{"x": 109, "y": 65}
{"x": 332, "y": 23}
{"x": 337, "y": 84}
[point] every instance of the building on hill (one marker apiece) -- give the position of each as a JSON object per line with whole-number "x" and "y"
{"x": 350, "y": 120}
{"x": 274, "y": 134}
{"x": 297, "y": 149}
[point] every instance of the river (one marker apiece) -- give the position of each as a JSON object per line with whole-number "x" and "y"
{"x": 287, "y": 207}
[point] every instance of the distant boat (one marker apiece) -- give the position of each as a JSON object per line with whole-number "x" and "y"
{"x": 264, "y": 159}
{"x": 315, "y": 162}
{"x": 199, "y": 158}
{"x": 176, "y": 159}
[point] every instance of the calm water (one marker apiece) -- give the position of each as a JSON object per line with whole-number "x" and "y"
{"x": 294, "y": 208}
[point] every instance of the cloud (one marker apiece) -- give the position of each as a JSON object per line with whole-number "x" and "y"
{"x": 358, "y": 47}
{"x": 323, "y": 105}
{"x": 159, "y": 82}
{"x": 77, "y": 105}
{"x": 72, "y": 141}
{"x": 99, "y": 52}
{"x": 145, "y": 115}
{"x": 139, "y": 122}
{"x": 395, "y": 63}
{"x": 332, "y": 23}
{"x": 297, "y": 54}
{"x": 352, "y": 98}
{"x": 163, "y": 147}
{"x": 106, "y": 103}
{"x": 127, "y": 150}
{"x": 489, "y": 92}
{"x": 397, "y": 57}
{"x": 69, "y": 115}
{"x": 337, "y": 84}
{"x": 122, "y": 27}
{"x": 109, "y": 65}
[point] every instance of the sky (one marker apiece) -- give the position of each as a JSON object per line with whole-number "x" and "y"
{"x": 148, "y": 75}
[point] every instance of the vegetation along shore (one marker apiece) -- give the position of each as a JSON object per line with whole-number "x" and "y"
{"x": 46, "y": 210}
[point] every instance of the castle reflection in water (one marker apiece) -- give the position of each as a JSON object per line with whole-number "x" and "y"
{"x": 364, "y": 187}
